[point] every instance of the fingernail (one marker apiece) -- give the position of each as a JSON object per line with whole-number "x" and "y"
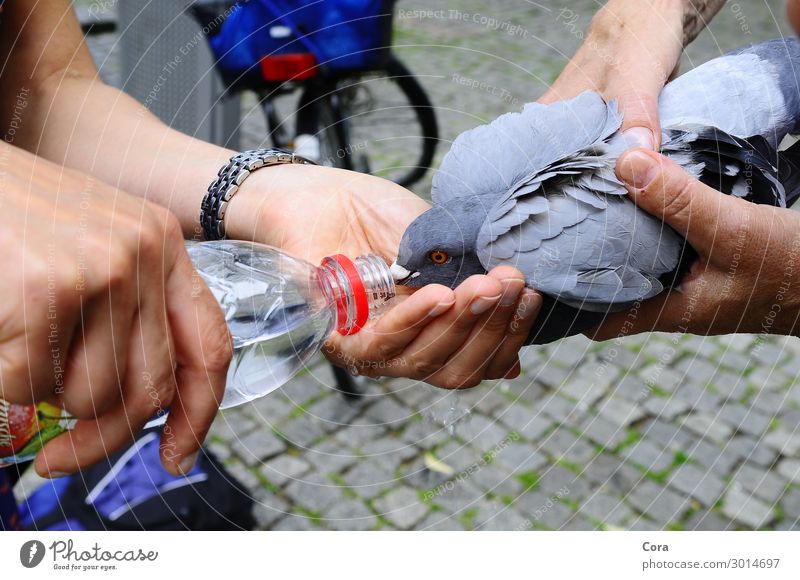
{"x": 187, "y": 463}
{"x": 482, "y": 304}
{"x": 440, "y": 309}
{"x": 528, "y": 304}
{"x": 639, "y": 137}
{"x": 511, "y": 289}
{"x": 56, "y": 474}
{"x": 637, "y": 169}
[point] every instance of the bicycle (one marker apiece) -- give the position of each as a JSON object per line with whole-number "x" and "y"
{"x": 375, "y": 119}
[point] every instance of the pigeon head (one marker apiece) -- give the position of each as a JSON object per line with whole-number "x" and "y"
{"x": 439, "y": 246}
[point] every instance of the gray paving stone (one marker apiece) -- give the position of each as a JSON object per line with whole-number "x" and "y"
{"x": 659, "y": 503}
{"x": 330, "y": 456}
{"x": 389, "y": 452}
{"x": 746, "y": 509}
{"x": 520, "y": 457}
{"x": 528, "y": 423}
{"x": 244, "y": 475}
{"x": 368, "y": 479}
{"x": 705, "y": 486}
{"x": 734, "y": 360}
{"x": 302, "y": 431}
{"x": 632, "y": 388}
{"x": 425, "y": 434}
{"x": 659, "y": 377}
{"x": 268, "y": 411}
{"x": 642, "y": 524}
{"x": 484, "y": 433}
{"x": 768, "y": 378}
{"x": 608, "y": 509}
{"x": 257, "y": 446}
{"x": 790, "y": 469}
{"x": 550, "y": 375}
{"x": 268, "y": 509}
{"x": 231, "y": 425}
{"x": 610, "y": 474}
{"x": 556, "y": 480}
{"x": 350, "y": 515}
{"x": 784, "y": 441}
{"x": 560, "y": 409}
{"x": 769, "y": 355}
{"x": 359, "y": 432}
{"x": 620, "y": 411}
{"x": 439, "y": 522}
{"x": 401, "y": 507}
{"x": 418, "y": 476}
{"x": 603, "y": 432}
{"x": 667, "y": 435}
{"x": 585, "y": 390}
{"x": 295, "y": 523}
{"x": 752, "y": 450}
{"x": 562, "y": 445}
{"x": 333, "y": 412}
{"x": 744, "y": 419}
{"x": 386, "y": 412}
{"x": 709, "y": 426}
{"x": 699, "y": 398}
{"x": 698, "y": 370}
{"x": 414, "y": 394}
{"x": 648, "y": 455}
{"x": 315, "y": 493}
{"x": 771, "y": 403}
{"x": 791, "y": 503}
{"x": 707, "y": 521}
{"x": 764, "y": 484}
{"x": 284, "y": 468}
{"x": 543, "y": 509}
{"x": 455, "y": 497}
{"x": 666, "y": 408}
{"x": 302, "y": 389}
{"x": 496, "y": 516}
{"x": 730, "y": 386}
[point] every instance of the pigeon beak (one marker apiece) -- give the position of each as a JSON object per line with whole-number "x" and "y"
{"x": 400, "y": 274}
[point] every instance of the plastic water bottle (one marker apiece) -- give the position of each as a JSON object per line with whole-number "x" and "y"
{"x": 279, "y": 311}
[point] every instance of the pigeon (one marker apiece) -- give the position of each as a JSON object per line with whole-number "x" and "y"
{"x": 537, "y": 189}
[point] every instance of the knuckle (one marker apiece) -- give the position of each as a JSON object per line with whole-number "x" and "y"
{"x": 217, "y": 351}
{"x": 460, "y": 380}
{"x": 678, "y": 206}
{"x": 424, "y": 368}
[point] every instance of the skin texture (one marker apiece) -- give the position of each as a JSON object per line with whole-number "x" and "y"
{"x": 632, "y": 48}
{"x": 737, "y": 284}
{"x": 79, "y": 127}
{"x": 99, "y": 294}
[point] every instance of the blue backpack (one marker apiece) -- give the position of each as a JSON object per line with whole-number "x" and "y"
{"x": 342, "y": 35}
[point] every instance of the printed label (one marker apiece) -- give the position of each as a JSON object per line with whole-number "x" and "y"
{"x": 24, "y": 429}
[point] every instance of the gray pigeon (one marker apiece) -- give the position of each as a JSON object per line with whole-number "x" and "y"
{"x": 537, "y": 189}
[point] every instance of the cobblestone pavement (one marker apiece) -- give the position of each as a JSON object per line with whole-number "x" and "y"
{"x": 650, "y": 432}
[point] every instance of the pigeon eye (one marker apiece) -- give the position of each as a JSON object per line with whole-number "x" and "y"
{"x": 439, "y": 257}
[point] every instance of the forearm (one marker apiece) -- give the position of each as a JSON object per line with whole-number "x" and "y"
{"x": 696, "y": 16}
{"x": 87, "y": 125}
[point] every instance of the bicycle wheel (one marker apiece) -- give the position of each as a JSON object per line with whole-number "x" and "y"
{"x": 389, "y": 124}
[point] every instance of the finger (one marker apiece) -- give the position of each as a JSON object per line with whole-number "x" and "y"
{"x": 661, "y": 188}
{"x": 203, "y": 351}
{"x": 465, "y": 368}
{"x": 394, "y": 330}
{"x": 445, "y": 335}
{"x": 98, "y": 357}
{"x": 147, "y": 391}
{"x": 90, "y": 441}
{"x": 507, "y": 356}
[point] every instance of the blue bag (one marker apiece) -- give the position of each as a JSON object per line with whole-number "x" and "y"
{"x": 343, "y": 35}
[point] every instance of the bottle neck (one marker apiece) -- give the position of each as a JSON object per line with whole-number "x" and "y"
{"x": 358, "y": 288}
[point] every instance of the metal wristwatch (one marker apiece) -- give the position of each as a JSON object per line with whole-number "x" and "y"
{"x": 230, "y": 177}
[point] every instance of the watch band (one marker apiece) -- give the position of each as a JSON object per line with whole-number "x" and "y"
{"x": 229, "y": 178}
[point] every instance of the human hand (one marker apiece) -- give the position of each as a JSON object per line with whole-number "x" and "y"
{"x": 104, "y": 316}
{"x": 747, "y": 273}
{"x": 449, "y": 338}
{"x": 629, "y": 53}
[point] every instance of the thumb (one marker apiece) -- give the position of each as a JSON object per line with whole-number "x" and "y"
{"x": 640, "y": 126}
{"x": 664, "y": 190}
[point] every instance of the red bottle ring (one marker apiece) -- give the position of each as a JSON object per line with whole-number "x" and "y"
{"x": 359, "y": 295}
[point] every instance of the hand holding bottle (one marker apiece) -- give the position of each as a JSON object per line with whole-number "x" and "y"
{"x": 103, "y": 316}
{"x": 449, "y": 338}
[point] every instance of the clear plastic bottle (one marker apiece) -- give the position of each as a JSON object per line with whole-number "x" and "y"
{"x": 279, "y": 311}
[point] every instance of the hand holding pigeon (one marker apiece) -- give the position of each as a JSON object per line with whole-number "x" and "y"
{"x": 537, "y": 190}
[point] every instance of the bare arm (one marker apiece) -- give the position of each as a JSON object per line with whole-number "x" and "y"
{"x": 73, "y": 118}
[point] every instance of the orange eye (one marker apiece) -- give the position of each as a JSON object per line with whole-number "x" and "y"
{"x": 439, "y": 257}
